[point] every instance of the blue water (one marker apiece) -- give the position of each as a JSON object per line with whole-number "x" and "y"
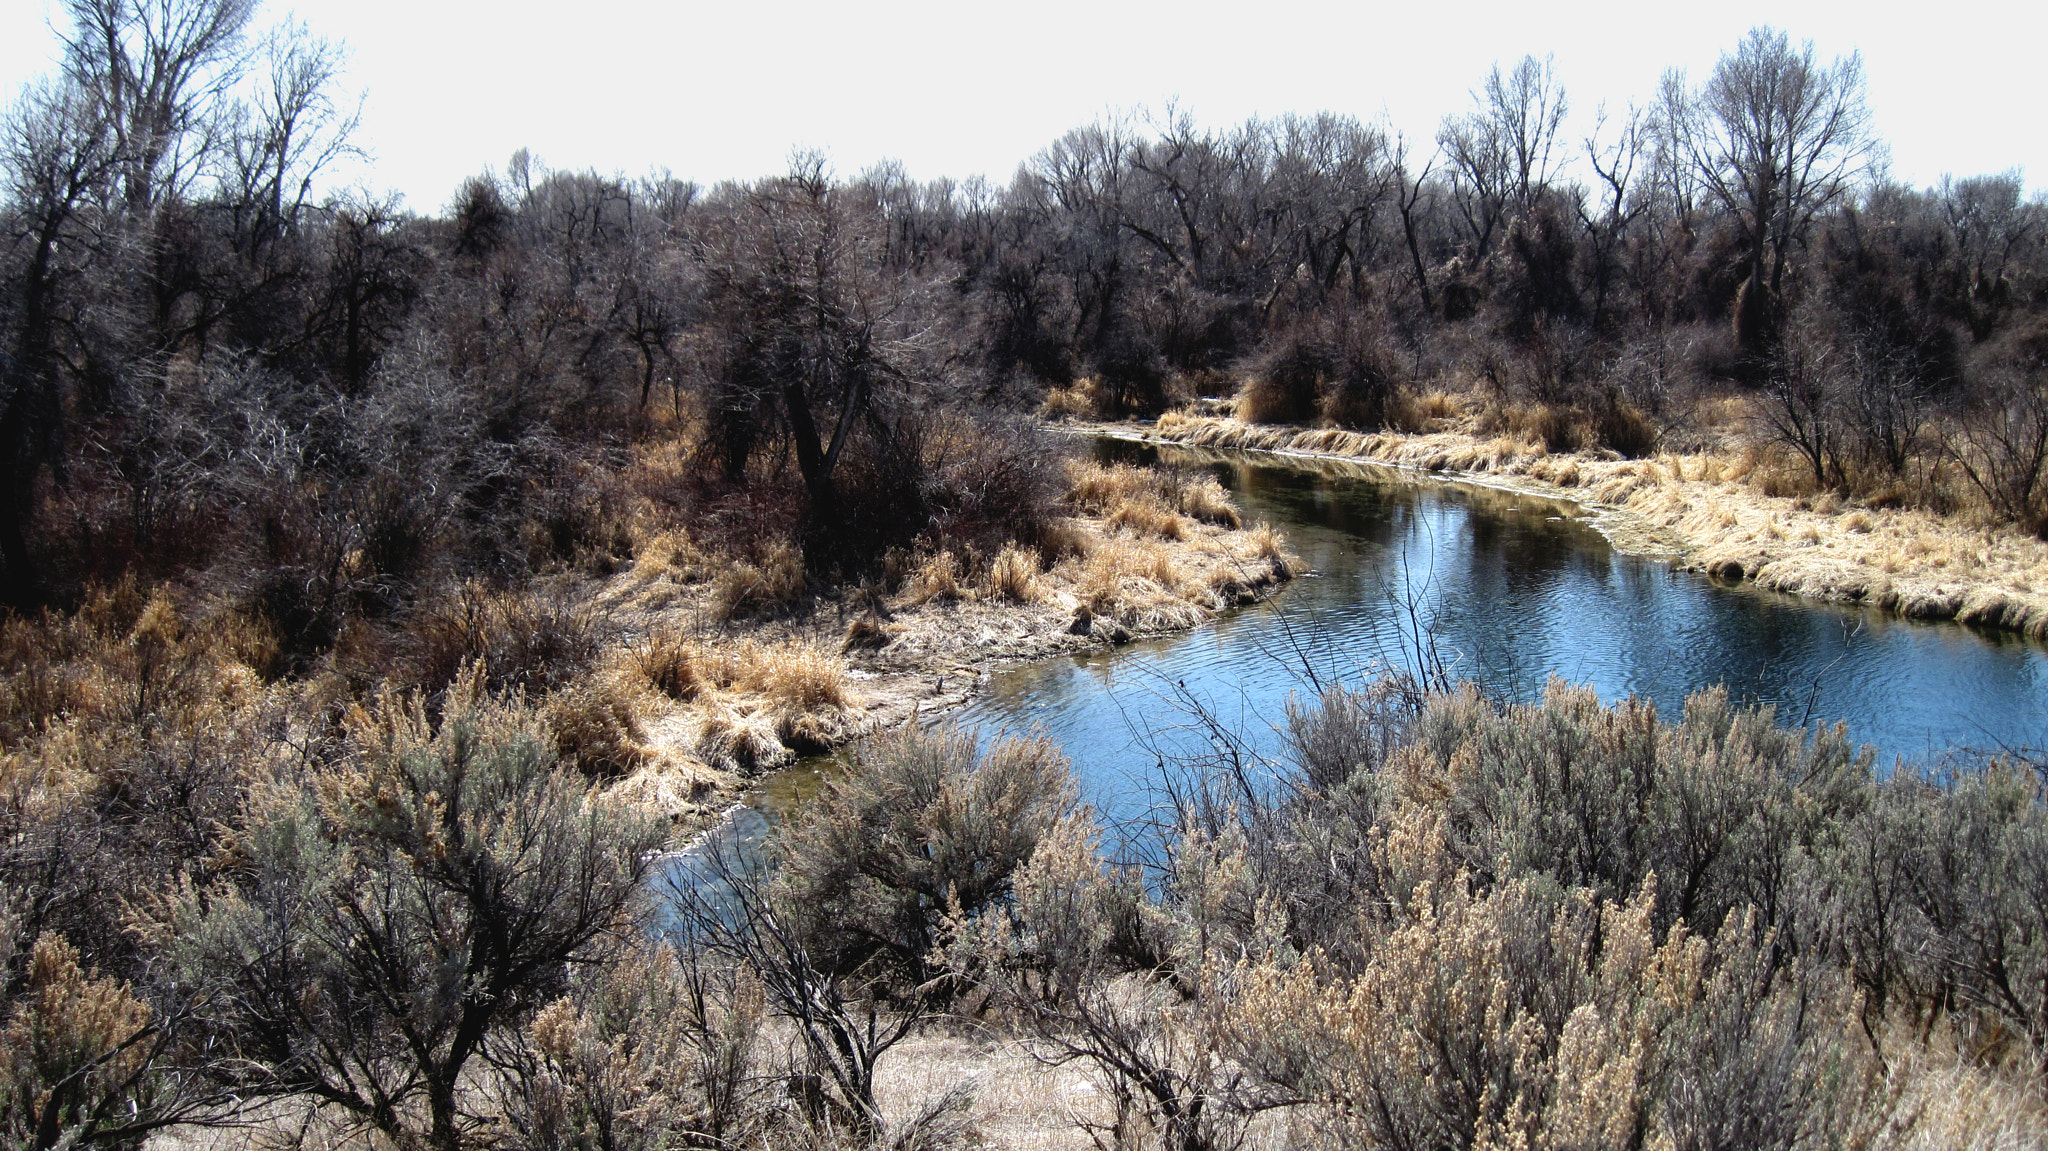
{"x": 1508, "y": 590}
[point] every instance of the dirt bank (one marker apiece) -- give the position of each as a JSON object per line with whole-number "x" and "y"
{"x": 698, "y": 702}
{"x": 1703, "y": 511}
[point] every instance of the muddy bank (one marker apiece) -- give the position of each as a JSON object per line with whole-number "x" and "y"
{"x": 1703, "y": 512}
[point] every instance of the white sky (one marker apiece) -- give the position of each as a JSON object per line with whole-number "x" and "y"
{"x": 725, "y": 90}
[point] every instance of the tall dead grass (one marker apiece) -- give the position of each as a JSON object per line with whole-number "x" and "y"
{"x": 1013, "y": 574}
{"x": 774, "y": 584}
{"x": 1747, "y": 513}
{"x": 1153, "y": 501}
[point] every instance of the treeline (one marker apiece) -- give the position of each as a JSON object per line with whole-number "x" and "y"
{"x": 208, "y": 371}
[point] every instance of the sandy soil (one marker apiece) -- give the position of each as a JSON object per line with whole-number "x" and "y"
{"x": 1704, "y": 512}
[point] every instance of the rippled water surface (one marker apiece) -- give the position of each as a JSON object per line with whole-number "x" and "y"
{"x": 1514, "y": 590}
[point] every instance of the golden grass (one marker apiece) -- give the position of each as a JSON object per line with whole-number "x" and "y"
{"x": 1205, "y": 500}
{"x": 867, "y": 633}
{"x": 740, "y": 741}
{"x": 936, "y": 577}
{"x": 749, "y": 704}
{"x": 667, "y": 661}
{"x": 1147, "y": 516}
{"x": 1013, "y": 574}
{"x": 1747, "y": 514}
{"x": 1149, "y": 501}
{"x": 1084, "y": 399}
{"x": 595, "y": 727}
{"x": 745, "y": 589}
{"x": 1099, "y": 489}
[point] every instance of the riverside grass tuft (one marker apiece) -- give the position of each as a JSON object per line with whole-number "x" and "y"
{"x": 1719, "y": 515}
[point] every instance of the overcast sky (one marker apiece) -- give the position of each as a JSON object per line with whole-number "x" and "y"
{"x": 713, "y": 91}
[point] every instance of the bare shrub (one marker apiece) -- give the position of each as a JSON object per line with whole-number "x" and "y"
{"x": 2001, "y": 442}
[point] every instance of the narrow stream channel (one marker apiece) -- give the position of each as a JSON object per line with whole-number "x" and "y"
{"x": 1514, "y": 589}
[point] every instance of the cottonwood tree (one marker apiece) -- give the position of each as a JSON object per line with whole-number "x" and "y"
{"x": 165, "y": 70}
{"x": 1499, "y": 155}
{"x": 1776, "y": 139}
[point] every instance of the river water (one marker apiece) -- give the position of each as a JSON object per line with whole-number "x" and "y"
{"x": 1509, "y": 590}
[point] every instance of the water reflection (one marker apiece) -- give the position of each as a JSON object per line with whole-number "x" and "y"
{"x": 1515, "y": 590}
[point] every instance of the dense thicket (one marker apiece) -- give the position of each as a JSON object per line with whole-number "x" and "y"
{"x": 339, "y": 402}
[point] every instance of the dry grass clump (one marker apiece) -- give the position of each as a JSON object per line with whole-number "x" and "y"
{"x": 125, "y": 687}
{"x": 669, "y": 552}
{"x": 1065, "y": 538}
{"x": 595, "y": 727}
{"x": 1431, "y": 411}
{"x": 756, "y": 704}
{"x": 868, "y": 632}
{"x": 1100, "y": 489}
{"x": 746, "y": 589}
{"x": 1149, "y": 500}
{"x": 668, "y": 784}
{"x": 797, "y": 677}
{"x": 749, "y": 703}
{"x": 667, "y": 661}
{"x": 1084, "y": 399}
{"x": 936, "y": 577}
{"x": 1204, "y": 498}
{"x": 1267, "y": 545}
{"x": 1139, "y": 585}
{"x": 1013, "y": 574}
{"x": 535, "y": 639}
{"x": 1147, "y": 516}
{"x": 741, "y": 741}
{"x": 1266, "y": 399}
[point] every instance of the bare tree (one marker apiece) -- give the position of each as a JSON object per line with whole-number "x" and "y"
{"x": 294, "y": 127}
{"x": 59, "y": 151}
{"x": 1414, "y": 204}
{"x": 1775, "y": 139}
{"x": 1499, "y": 155}
{"x": 1618, "y": 162}
{"x": 164, "y": 69}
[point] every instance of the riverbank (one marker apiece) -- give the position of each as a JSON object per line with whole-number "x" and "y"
{"x": 698, "y": 696}
{"x": 1707, "y": 513}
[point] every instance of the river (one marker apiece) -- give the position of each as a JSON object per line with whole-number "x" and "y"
{"x": 1509, "y": 590}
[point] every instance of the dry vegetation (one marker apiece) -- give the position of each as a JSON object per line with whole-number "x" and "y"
{"x": 1738, "y": 513}
{"x": 1438, "y": 921}
{"x": 370, "y": 582}
{"x": 718, "y": 689}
